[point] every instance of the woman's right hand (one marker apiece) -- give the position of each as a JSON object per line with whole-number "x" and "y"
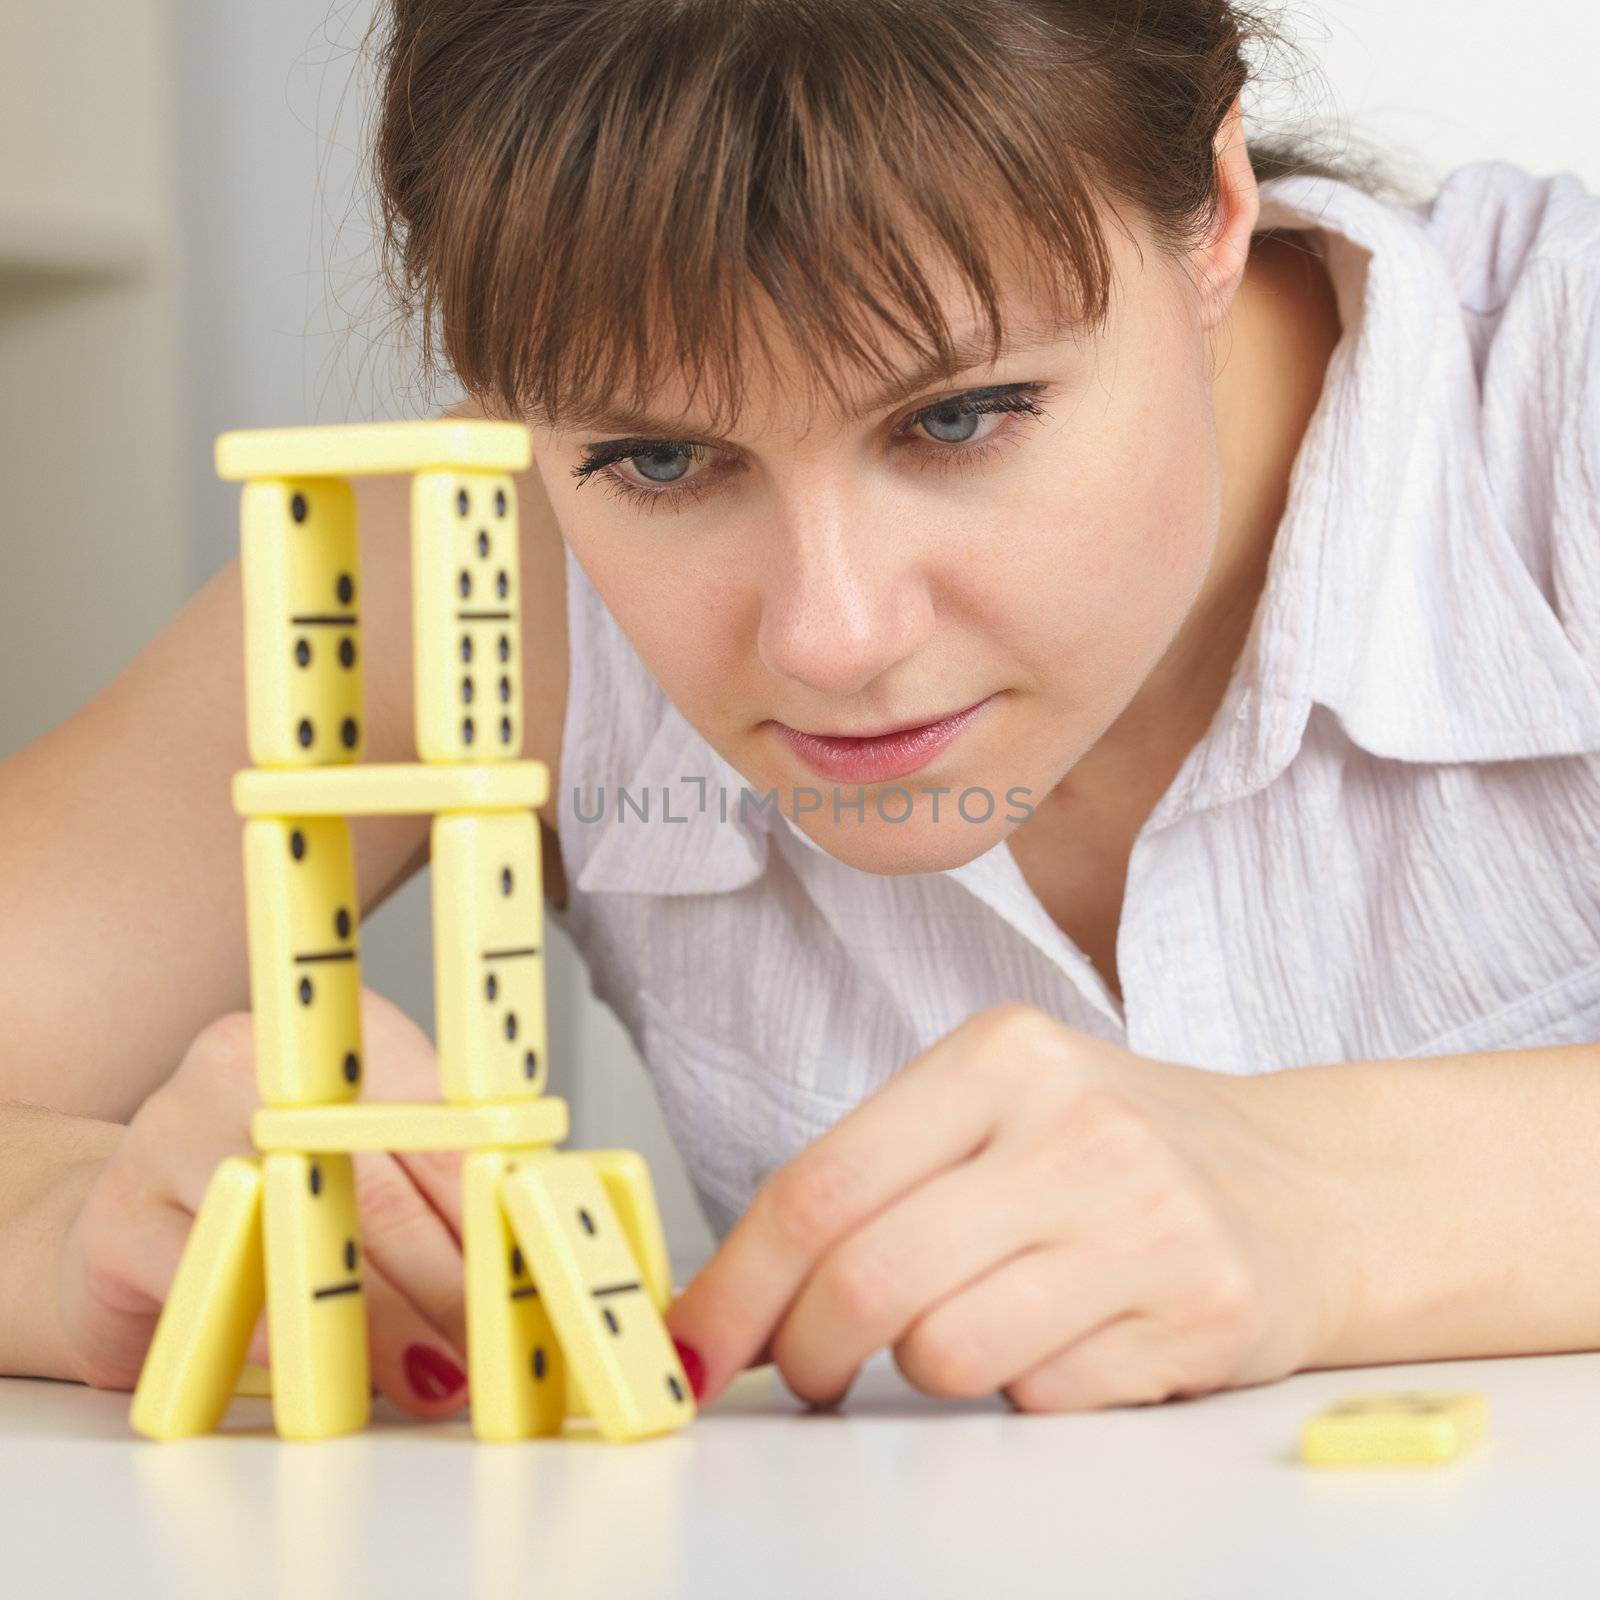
{"x": 121, "y": 1252}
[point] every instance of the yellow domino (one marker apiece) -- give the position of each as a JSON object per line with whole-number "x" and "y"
{"x": 626, "y": 1178}
{"x": 254, "y": 1380}
{"x": 1388, "y": 1429}
{"x": 305, "y": 965}
{"x": 302, "y": 623}
{"x": 610, "y": 1332}
{"x": 488, "y": 933}
{"x": 387, "y": 789}
{"x": 210, "y": 1312}
{"x": 411, "y": 1125}
{"x": 467, "y": 608}
{"x": 316, "y": 1302}
{"x": 514, "y": 1364}
{"x": 369, "y": 449}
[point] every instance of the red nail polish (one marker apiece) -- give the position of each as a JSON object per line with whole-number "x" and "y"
{"x": 432, "y": 1374}
{"x": 694, "y": 1369}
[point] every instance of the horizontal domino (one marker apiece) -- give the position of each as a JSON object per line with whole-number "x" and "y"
{"x": 391, "y": 789}
{"x": 371, "y": 449}
{"x": 405, "y": 1125}
{"x": 1394, "y": 1429}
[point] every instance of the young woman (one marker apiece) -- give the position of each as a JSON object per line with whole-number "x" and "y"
{"x": 1153, "y": 597}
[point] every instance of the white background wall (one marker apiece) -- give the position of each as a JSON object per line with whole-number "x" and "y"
{"x": 263, "y": 114}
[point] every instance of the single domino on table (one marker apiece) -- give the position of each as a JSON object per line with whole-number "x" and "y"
{"x": 1394, "y": 1429}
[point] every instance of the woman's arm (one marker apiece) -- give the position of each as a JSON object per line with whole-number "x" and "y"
{"x": 1472, "y": 1199}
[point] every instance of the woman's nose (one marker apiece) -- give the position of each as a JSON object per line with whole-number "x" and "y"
{"x": 841, "y": 604}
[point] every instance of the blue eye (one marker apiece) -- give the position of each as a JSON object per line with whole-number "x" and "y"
{"x": 951, "y": 425}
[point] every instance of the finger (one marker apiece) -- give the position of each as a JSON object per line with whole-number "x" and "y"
{"x": 936, "y": 1111}
{"x": 1017, "y": 1317}
{"x": 409, "y": 1242}
{"x": 1131, "y": 1360}
{"x": 436, "y": 1176}
{"x": 412, "y": 1364}
{"x": 114, "y": 1312}
{"x": 402, "y": 1063}
{"x": 874, "y": 1285}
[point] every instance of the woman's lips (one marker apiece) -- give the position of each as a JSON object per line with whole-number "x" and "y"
{"x": 890, "y": 755}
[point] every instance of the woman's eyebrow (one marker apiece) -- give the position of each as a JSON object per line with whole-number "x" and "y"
{"x": 967, "y": 351}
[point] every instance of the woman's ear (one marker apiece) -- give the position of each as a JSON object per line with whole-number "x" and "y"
{"x": 1218, "y": 260}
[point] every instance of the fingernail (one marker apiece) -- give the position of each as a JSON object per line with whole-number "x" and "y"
{"x": 694, "y": 1369}
{"x": 432, "y": 1374}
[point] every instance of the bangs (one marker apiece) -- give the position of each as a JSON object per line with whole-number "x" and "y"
{"x": 622, "y": 198}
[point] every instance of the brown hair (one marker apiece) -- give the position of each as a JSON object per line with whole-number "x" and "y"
{"x": 577, "y": 192}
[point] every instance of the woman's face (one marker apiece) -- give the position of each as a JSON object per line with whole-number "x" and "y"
{"x": 849, "y": 574}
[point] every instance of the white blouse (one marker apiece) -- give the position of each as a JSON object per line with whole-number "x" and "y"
{"x": 1387, "y": 843}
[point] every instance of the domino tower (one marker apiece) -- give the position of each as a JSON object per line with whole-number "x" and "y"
{"x": 566, "y": 1269}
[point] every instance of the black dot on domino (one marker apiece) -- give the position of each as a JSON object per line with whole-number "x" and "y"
{"x": 302, "y": 652}
{"x": 511, "y": 1025}
{"x": 352, "y": 1067}
{"x": 505, "y": 690}
{"x": 505, "y": 647}
{"x": 675, "y": 1387}
{"x": 464, "y": 584}
{"x": 345, "y": 589}
{"x": 315, "y": 1178}
{"x": 466, "y": 691}
{"x": 507, "y": 882}
{"x": 516, "y": 1262}
{"x": 298, "y": 508}
{"x": 530, "y": 1064}
{"x": 305, "y": 733}
{"x": 297, "y": 845}
{"x": 505, "y": 730}
{"x": 347, "y": 652}
{"x": 499, "y": 502}
{"x": 538, "y": 1361}
{"x": 463, "y": 503}
{"x": 348, "y": 733}
{"x": 502, "y": 585}
{"x": 350, "y": 1255}
{"x": 491, "y": 986}
{"x": 466, "y": 647}
{"x": 586, "y": 1220}
{"x": 306, "y": 991}
{"x": 483, "y": 543}
{"x": 466, "y": 730}
{"x": 611, "y": 1320}
{"x": 341, "y": 923}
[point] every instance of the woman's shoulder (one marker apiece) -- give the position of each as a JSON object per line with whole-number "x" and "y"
{"x": 1496, "y": 222}
{"x": 1525, "y": 252}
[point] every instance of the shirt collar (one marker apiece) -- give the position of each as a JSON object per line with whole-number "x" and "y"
{"x": 1390, "y": 540}
{"x": 1390, "y": 534}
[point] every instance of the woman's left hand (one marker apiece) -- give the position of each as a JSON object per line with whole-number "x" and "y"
{"x": 1026, "y": 1208}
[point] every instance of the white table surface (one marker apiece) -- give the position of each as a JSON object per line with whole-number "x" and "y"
{"x": 895, "y": 1495}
